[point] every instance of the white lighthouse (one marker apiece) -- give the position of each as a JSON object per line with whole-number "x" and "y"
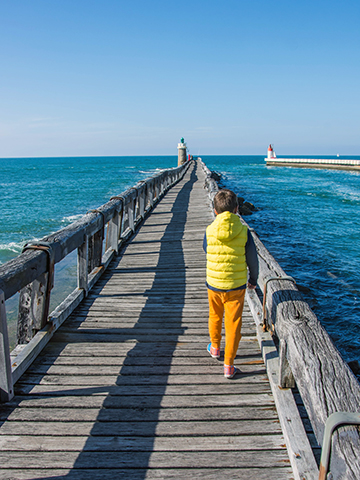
{"x": 271, "y": 153}
{"x": 181, "y": 152}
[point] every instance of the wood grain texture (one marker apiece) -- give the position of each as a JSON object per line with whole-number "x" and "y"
{"x": 324, "y": 380}
{"x": 126, "y": 388}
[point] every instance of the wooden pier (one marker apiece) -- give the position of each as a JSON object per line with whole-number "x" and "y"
{"x": 125, "y": 389}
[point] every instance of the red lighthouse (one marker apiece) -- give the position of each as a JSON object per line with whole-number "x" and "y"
{"x": 271, "y": 153}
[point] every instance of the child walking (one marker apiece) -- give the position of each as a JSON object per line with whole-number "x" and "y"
{"x": 230, "y": 251}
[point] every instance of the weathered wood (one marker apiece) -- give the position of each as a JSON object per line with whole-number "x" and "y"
{"x": 117, "y": 443}
{"x": 113, "y": 233}
{"x": 300, "y": 453}
{"x": 124, "y": 418}
{"x": 68, "y": 370}
{"x": 282, "y": 473}
{"x": 323, "y": 378}
{"x": 286, "y": 377}
{"x": 6, "y": 381}
{"x": 162, "y": 350}
{"x": 152, "y": 401}
{"x": 135, "y": 388}
{"x": 21, "y": 271}
{"x": 27, "y": 267}
{"x": 240, "y": 388}
{"x": 31, "y": 309}
{"x": 101, "y": 460}
{"x": 95, "y": 250}
{"x": 141, "y": 197}
{"x": 34, "y": 299}
{"x": 82, "y": 266}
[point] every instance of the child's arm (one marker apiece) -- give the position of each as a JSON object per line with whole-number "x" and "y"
{"x": 205, "y": 243}
{"x": 252, "y": 261}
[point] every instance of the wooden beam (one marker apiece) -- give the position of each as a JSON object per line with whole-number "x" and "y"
{"x": 323, "y": 378}
{"x": 299, "y": 449}
{"x": 6, "y": 381}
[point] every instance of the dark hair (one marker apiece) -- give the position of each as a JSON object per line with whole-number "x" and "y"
{"x": 225, "y": 201}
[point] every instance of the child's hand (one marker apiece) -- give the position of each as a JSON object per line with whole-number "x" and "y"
{"x": 251, "y": 287}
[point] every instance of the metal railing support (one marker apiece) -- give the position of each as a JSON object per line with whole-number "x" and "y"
{"x": 334, "y": 421}
{"x": 287, "y": 278}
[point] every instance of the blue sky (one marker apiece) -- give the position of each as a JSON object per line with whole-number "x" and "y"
{"x": 114, "y": 77}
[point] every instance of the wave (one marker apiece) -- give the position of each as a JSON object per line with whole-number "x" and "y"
{"x": 12, "y": 246}
{"x": 10, "y": 250}
{"x": 152, "y": 171}
{"x": 71, "y": 218}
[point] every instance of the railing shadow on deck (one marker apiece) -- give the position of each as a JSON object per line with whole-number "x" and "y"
{"x": 143, "y": 409}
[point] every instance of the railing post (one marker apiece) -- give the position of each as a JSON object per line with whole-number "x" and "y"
{"x": 163, "y": 183}
{"x": 34, "y": 300}
{"x": 151, "y": 193}
{"x": 157, "y": 188}
{"x": 114, "y": 232}
{"x": 131, "y": 214}
{"x": 286, "y": 377}
{"x": 83, "y": 265}
{"x": 6, "y": 383}
{"x": 95, "y": 245}
{"x": 95, "y": 250}
{"x": 142, "y": 195}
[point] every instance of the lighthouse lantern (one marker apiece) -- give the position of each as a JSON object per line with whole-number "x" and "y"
{"x": 270, "y": 152}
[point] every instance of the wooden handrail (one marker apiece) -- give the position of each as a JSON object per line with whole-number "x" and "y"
{"x": 28, "y": 273}
{"x": 28, "y": 266}
{"x": 325, "y": 382}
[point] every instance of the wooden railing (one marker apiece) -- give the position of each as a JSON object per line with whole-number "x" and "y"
{"x": 97, "y": 236}
{"x": 306, "y": 356}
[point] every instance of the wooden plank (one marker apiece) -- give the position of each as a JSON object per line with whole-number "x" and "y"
{"x": 149, "y": 401}
{"x": 158, "y": 349}
{"x": 94, "y": 328}
{"x": 137, "y": 361}
{"x": 276, "y": 473}
{"x": 131, "y": 379}
{"x": 322, "y": 377}
{"x": 122, "y": 390}
{"x": 127, "y": 381}
{"x": 300, "y": 452}
{"x": 102, "y": 460}
{"x": 117, "y": 443}
{"x": 113, "y": 370}
{"x": 98, "y": 425}
{"x": 124, "y": 418}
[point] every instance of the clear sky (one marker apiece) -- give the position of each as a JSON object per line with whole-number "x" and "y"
{"x": 116, "y": 77}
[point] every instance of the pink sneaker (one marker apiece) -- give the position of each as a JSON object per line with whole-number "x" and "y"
{"x": 230, "y": 371}
{"x": 214, "y": 352}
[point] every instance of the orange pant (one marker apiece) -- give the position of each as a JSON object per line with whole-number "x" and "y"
{"x": 232, "y": 303}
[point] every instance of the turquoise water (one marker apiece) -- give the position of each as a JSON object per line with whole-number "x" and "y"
{"x": 41, "y": 195}
{"x": 308, "y": 219}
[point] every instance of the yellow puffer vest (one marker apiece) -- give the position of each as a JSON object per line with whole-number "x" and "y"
{"x": 225, "y": 254}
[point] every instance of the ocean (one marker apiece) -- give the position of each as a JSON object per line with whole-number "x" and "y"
{"x": 307, "y": 218}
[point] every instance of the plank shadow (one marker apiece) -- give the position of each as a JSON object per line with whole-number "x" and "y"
{"x": 149, "y": 411}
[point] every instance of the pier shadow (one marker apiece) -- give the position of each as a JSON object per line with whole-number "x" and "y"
{"x": 130, "y": 420}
